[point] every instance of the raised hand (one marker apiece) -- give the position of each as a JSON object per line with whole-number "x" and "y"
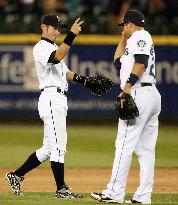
{"x": 76, "y": 27}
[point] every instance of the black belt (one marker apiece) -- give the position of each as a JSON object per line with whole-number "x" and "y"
{"x": 58, "y": 90}
{"x": 145, "y": 84}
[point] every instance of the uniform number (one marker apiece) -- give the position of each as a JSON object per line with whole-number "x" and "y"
{"x": 152, "y": 70}
{"x": 152, "y": 67}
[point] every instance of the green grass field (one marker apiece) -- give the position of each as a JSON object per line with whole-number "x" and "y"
{"x": 85, "y": 143}
{"x": 48, "y": 199}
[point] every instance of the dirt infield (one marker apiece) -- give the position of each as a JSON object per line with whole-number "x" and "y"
{"x": 88, "y": 180}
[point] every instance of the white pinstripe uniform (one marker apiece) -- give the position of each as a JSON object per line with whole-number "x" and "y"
{"x": 139, "y": 135}
{"x": 52, "y": 105}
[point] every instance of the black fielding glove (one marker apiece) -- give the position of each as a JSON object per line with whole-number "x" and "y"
{"x": 126, "y": 108}
{"x": 98, "y": 84}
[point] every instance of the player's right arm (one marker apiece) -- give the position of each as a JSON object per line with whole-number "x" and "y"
{"x": 120, "y": 51}
{"x": 65, "y": 46}
{"x": 121, "y": 46}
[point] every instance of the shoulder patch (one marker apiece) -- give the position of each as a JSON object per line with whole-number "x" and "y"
{"x": 141, "y": 43}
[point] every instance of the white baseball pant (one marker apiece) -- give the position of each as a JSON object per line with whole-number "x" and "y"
{"x": 52, "y": 107}
{"x": 139, "y": 135}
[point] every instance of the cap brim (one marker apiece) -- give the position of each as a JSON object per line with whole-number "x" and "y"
{"x": 120, "y": 24}
{"x": 62, "y": 25}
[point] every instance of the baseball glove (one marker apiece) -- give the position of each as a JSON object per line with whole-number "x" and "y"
{"x": 126, "y": 108}
{"x": 98, "y": 84}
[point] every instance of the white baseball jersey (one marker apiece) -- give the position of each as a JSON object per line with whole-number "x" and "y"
{"x": 49, "y": 74}
{"x": 139, "y": 43}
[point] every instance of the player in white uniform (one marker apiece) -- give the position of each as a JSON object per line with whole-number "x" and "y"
{"x": 53, "y": 75}
{"x": 135, "y": 58}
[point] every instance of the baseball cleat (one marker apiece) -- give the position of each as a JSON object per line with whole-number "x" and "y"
{"x": 132, "y": 201}
{"x": 102, "y": 198}
{"x": 15, "y": 183}
{"x": 96, "y": 195}
{"x": 65, "y": 192}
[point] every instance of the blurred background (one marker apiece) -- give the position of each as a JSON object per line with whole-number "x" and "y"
{"x": 91, "y": 121}
{"x": 23, "y": 16}
{"x": 92, "y": 52}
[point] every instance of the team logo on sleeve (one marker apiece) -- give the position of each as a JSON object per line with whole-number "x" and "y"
{"x": 141, "y": 43}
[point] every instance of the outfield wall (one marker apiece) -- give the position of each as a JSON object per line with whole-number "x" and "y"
{"x": 89, "y": 55}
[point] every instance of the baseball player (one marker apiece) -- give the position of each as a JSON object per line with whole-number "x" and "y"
{"x": 135, "y": 58}
{"x": 53, "y": 75}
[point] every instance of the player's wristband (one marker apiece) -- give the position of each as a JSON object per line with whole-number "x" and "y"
{"x": 79, "y": 78}
{"x": 69, "y": 38}
{"x": 117, "y": 64}
{"x": 132, "y": 79}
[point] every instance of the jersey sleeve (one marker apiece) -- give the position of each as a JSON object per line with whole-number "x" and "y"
{"x": 140, "y": 44}
{"x": 65, "y": 68}
{"x": 42, "y": 54}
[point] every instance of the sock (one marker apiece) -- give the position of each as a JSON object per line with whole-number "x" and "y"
{"x": 31, "y": 163}
{"x": 58, "y": 172}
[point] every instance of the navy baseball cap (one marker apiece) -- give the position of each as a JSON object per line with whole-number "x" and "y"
{"x": 53, "y": 20}
{"x": 135, "y": 17}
